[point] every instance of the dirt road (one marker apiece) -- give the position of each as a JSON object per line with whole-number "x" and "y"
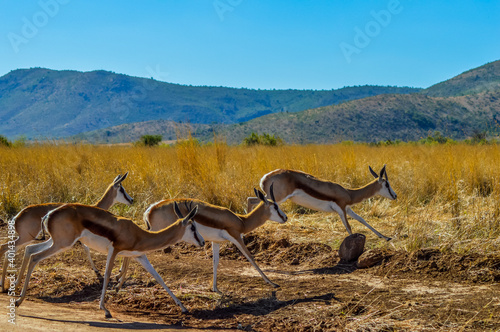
{"x": 424, "y": 291}
{"x": 43, "y": 316}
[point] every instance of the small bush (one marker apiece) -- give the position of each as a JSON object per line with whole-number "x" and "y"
{"x": 437, "y": 138}
{"x": 150, "y": 140}
{"x": 4, "y": 141}
{"x": 264, "y": 139}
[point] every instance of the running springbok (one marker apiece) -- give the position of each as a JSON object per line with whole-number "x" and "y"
{"x": 320, "y": 195}
{"x": 218, "y": 224}
{"x": 28, "y": 222}
{"x": 107, "y": 233}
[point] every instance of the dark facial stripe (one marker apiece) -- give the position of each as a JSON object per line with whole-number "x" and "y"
{"x": 193, "y": 228}
{"x": 389, "y": 189}
{"x": 280, "y": 213}
{"x": 127, "y": 197}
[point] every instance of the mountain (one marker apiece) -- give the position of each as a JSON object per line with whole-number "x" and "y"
{"x": 481, "y": 79}
{"x": 462, "y": 106}
{"x": 47, "y": 103}
{"x": 379, "y": 118}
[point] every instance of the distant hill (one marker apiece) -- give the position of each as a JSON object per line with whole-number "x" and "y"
{"x": 481, "y": 79}
{"x": 46, "y": 103}
{"x": 372, "y": 119}
{"x": 459, "y": 107}
{"x": 378, "y": 118}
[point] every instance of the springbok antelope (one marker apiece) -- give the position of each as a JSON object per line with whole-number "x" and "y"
{"x": 218, "y": 224}
{"x": 28, "y": 222}
{"x": 107, "y": 233}
{"x": 306, "y": 190}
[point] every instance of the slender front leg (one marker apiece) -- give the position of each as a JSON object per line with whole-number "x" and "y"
{"x": 238, "y": 242}
{"x": 109, "y": 266}
{"x": 87, "y": 250}
{"x": 143, "y": 260}
{"x": 215, "y": 255}
{"x": 361, "y": 220}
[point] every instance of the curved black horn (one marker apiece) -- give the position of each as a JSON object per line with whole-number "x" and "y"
{"x": 375, "y": 175}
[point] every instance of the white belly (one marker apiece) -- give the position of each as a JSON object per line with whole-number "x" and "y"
{"x": 95, "y": 242}
{"x": 301, "y": 198}
{"x": 102, "y": 244}
{"x": 213, "y": 234}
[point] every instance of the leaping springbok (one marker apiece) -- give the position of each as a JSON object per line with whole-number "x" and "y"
{"x": 320, "y": 195}
{"x": 28, "y": 222}
{"x": 107, "y": 233}
{"x": 218, "y": 224}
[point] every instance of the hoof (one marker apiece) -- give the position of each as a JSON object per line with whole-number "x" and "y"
{"x": 275, "y": 285}
{"x": 388, "y": 239}
{"x": 108, "y": 315}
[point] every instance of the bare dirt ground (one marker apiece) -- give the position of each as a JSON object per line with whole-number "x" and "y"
{"x": 424, "y": 291}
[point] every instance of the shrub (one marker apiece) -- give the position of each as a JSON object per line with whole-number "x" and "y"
{"x": 4, "y": 141}
{"x": 264, "y": 139}
{"x": 150, "y": 140}
{"x": 437, "y": 138}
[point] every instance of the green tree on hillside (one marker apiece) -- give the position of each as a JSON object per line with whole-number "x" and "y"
{"x": 150, "y": 140}
{"x": 264, "y": 139}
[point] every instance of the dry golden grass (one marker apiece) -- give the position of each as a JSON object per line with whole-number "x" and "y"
{"x": 448, "y": 195}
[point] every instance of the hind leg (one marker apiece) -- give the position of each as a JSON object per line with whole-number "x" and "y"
{"x": 34, "y": 259}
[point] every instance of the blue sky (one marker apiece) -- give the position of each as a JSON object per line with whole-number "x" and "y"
{"x": 266, "y": 44}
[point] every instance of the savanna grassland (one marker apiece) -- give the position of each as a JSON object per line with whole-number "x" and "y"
{"x": 448, "y": 195}
{"x": 447, "y": 213}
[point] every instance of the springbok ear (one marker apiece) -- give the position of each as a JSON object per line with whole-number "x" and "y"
{"x": 120, "y": 178}
{"x": 375, "y": 175}
{"x": 190, "y": 216}
{"x": 383, "y": 172}
{"x": 124, "y": 177}
{"x": 177, "y": 211}
{"x": 117, "y": 179}
{"x": 261, "y": 196}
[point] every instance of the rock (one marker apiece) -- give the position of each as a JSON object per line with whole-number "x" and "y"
{"x": 370, "y": 258}
{"x": 351, "y": 248}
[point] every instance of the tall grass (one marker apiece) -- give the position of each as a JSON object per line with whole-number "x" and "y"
{"x": 448, "y": 195}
